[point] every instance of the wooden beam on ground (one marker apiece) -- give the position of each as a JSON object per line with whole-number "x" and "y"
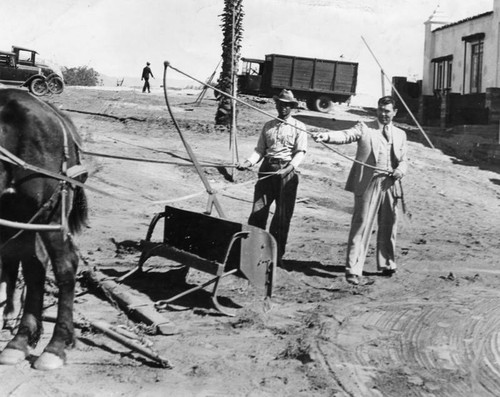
{"x": 137, "y": 306}
{"x": 113, "y": 333}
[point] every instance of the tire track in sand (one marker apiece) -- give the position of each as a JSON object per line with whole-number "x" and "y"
{"x": 418, "y": 348}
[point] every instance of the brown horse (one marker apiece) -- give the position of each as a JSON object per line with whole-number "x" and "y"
{"x": 36, "y": 133}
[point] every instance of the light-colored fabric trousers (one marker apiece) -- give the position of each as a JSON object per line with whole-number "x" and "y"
{"x": 374, "y": 203}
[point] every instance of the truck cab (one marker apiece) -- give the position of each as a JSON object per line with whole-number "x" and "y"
{"x": 250, "y": 78}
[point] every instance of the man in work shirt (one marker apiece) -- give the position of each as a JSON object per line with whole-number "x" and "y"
{"x": 282, "y": 144}
{"x": 383, "y": 146}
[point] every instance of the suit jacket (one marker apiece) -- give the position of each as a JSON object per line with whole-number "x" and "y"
{"x": 368, "y": 137}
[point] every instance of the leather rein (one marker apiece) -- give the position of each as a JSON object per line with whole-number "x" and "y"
{"x": 7, "y": 156}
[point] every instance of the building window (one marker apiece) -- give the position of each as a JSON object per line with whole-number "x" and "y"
{"x": 443, "y": 68}
{"x": 476, "y": 66}
{"x": 473, "y": 63}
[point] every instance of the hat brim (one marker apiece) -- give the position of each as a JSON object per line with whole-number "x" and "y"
{"x": 278, "y": 99}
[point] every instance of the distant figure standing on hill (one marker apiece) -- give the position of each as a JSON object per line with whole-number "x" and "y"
{"x": 145, "y": 76}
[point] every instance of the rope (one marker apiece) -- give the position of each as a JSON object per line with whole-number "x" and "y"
{"x": 276, "y": 118}
{"x": 187, "y": 197}
{"x": 5, "y": 155}
{"x": 206, "y": 164}
{"x": 113, "y": 156}
{"x": 13, "y": 159}
{"x": 222, "y": 189}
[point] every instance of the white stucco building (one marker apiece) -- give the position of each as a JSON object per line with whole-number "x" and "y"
{"x": 461, "y": 76}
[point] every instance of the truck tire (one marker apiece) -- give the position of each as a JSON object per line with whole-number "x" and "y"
{"x": 38, "y": 86}
{"x": 323, "y": 104}
{"x": 310, "y": 104}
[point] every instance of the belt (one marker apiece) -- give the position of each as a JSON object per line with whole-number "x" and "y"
{"x": 277, "y": 161}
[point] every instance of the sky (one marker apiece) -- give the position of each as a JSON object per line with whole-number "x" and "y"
{"x": 117, "y": 37}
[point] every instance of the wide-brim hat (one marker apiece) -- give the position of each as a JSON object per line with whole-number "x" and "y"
{"x": 287, "y": 97}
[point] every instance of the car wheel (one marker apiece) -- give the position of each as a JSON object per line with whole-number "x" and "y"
{"x": 323, "y": 104}
{"x": 55, "y": 85}
{"x": 38, "y": 86}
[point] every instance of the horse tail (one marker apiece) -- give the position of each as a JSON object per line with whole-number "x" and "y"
{"x": 78, "y": 215}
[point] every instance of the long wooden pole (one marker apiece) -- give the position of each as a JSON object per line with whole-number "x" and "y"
{"x": 212, "y": 196}
{"x": 399, "y": 96}
{"x": 110, "y": 331}
{"x": 232, "y": 144}
{"x": 134, "y": 305}
{"x": 382, "y": 80}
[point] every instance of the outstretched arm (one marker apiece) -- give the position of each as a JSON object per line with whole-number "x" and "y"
{"x": 340, "y": 137}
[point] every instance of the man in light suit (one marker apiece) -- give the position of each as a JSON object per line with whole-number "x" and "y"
{"x": 381, "y": 161}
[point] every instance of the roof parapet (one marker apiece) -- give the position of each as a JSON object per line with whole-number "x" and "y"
{"x": 438, "y": 17}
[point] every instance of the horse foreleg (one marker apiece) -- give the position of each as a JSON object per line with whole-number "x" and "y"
{"x": 3, "y": 302}
{"x": 30, "y": 326}
{"x": 64, "y": 263}
{"x": 10, "y": 293}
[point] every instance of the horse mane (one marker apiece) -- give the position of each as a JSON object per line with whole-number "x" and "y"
{"x": 68, "y": 124}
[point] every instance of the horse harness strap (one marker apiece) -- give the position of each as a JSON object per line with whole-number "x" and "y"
{"x": 66, "y": 177}
{"x": 29, "y": 225}
{"x": 13, "y": 159}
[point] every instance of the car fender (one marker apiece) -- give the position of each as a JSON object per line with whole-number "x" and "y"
{"x": 54, "y": 74}
{"x": 35, "y": 76}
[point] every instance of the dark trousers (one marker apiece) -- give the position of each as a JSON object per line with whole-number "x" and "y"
{"x": 279, "y": 189}
{"x": 146, "y": 85}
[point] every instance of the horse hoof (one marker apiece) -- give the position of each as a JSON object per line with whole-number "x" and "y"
{"x": 48, "y": 361}
{"x": 12, "y": 356}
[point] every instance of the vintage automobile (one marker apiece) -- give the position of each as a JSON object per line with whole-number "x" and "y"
{"x": 18, "y": 67}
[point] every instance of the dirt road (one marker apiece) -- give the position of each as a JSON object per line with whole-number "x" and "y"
{"x": 431, "y": 330}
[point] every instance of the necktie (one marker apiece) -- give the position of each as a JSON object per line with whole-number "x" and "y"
{"x": 385, "y": 132}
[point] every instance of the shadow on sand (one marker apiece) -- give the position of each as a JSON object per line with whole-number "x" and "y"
{"x": 311, "y": 268}
{"x": 166, "y": 284}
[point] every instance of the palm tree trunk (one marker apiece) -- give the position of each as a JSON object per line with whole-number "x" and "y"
{"x": 232, "y": 29}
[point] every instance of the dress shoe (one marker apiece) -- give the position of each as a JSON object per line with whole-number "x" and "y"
{"x": 388, "y": 272}
{"x": 352, "y": 279}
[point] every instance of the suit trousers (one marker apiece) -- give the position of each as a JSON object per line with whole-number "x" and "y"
{"x": 377, "y": 202}
{"x": 280, "y": 189}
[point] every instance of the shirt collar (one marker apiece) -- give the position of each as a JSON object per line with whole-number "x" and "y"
{"x": 381, "y": 126}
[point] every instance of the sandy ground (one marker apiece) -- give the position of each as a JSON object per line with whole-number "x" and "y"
{"x": 431, "y": 330}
